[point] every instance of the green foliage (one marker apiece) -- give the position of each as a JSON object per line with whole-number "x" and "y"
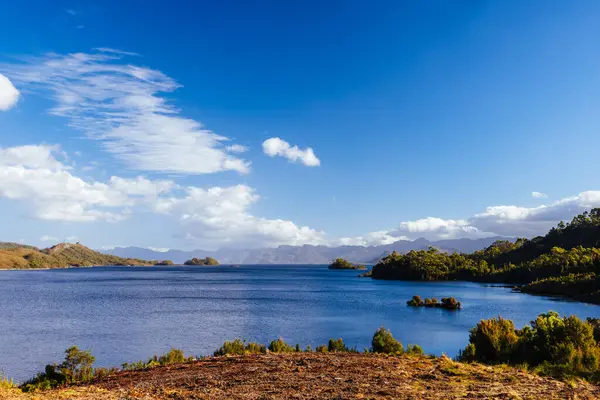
{"x": 553, "y": 345}
{"x": 239, "y": 347}
{"x": 337, "y": 346}
{"x": 173, "y": 356}
{"x": 164, "y": 262}
{"x": 340, "y": 263}
{"x": 414, "y": 349}
{"x": 384, "y": 342}
{"x": 322, "y": 349}
{"x": 76, "y": 367}
{"x": 564, "y": 262}
{"x": 280, "y": 346}
{"x": 6, "y": 382}
{"x": 493, "y": 340}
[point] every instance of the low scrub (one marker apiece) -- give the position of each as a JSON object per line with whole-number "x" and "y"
{"x": 551, "y": 345}
{"x": 384, "y": 342}
{"x": 173, "y": 356}
{"x": 239, "y": 347}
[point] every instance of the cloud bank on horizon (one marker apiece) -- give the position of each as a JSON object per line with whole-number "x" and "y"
{"x": 122, "y": 107}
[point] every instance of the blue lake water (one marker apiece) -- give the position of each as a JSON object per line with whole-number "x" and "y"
{"x": 130, "y": 313}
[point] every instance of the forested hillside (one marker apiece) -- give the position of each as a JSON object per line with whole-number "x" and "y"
{"x": 564, "y": 262}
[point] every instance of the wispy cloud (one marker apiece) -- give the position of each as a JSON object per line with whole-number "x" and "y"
{"x": 539, "y": 195}
{"x": 9, "y": 95}
{"x": 274, "y": 147}
{"x": 121, "y": 106}
{"x": 70, "y": 11}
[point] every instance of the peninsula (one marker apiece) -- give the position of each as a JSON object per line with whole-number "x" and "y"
{"x": 63, "y": 255}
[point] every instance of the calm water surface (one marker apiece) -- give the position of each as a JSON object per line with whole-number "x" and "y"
{"x": 127, "y": 314}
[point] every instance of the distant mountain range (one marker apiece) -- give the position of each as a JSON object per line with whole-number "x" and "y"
{"x": 306, "y": 254}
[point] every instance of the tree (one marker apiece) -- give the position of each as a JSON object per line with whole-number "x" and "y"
{"x": 77, "y": 365}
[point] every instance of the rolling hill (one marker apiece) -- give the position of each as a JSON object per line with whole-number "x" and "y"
{"x": 63, "y": 255}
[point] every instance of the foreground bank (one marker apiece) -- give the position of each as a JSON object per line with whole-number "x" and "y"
{"x": 320, "y": 376}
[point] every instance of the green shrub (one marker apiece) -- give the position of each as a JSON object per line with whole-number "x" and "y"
{"x": 173, "y": 356}
{"x": 239, "y": 347}
{"x": 560, "y": 347}
{"x": 495, "y": 340}
{"x": 337, "y": 346}
{"x": 5, "y": 382}
{"x": 76, "y": 367}
{"x": 414, "y": 349}
{"x": 384, "y": 342}
{"x": 322, "y": 349}
{"x": 280, "y": 346}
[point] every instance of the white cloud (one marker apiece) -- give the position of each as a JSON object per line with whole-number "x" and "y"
{"x": 539, "y": 195}
{"x": 34, "y": 175}
{"x": 237, "y": 148}
{"x": 370, "y": 239}
{"x": 159, "y": 249}
{"x": 9, "y": 95}
{"x": 211, "y": 217}
{"x": 47, "y": 238}
{"x": 219, "y": 217}
{"x": 121, "y": 106}
{"x": 498, "y": 220}
{"x": 274, "y": 147}
{"x": 436, "y": 228}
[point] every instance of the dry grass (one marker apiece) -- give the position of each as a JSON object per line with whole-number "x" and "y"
{"x": 322, "y": 376}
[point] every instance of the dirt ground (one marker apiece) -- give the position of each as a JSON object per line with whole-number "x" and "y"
{"x": 321, "y": 376}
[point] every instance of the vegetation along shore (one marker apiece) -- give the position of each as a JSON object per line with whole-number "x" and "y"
{"x": 565, "y": 262}
{"x": 554, "y": 357}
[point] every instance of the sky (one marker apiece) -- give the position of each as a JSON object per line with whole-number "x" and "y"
{"x": 205, "y": 125}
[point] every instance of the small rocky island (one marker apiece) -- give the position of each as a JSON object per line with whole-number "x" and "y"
{"x": 340, "y": 263}
{"x": 202, "y": 261}
{"x": 449, "y": 303}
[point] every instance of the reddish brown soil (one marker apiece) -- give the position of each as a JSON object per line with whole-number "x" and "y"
{"x": 326, "y": 376}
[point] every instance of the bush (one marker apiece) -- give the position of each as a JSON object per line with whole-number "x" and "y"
{"x": 239, "y": 347}
{"x": 560, "y": 347}
{"x": 76, "y": 367}
{"x": 494, "y": 340}
{"x": 173, "y": 356}
{"x": 415, "y": 301}
{"x": 280, "y": 346}
{"x": 322, "y": 349}
{"x": 414, "y": 349}
{"x": 450, "y": 303}
{"x": 384, "y": 342}
{"x": 5, "y": 382}
{"x": 337, "y": 346}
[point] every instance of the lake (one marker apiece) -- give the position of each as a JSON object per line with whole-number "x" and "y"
{"x": 131, "y": 313}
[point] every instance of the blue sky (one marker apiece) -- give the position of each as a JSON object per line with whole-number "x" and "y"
{"x": 436, "y": 118}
